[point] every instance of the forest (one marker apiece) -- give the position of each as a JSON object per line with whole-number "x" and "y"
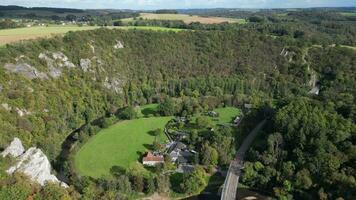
{"x": 307, "y": 150}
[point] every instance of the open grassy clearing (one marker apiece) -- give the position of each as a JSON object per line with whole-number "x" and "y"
{"x": 118, "y": 145}
{"x": 148, "y": 110}
{"x": 15, "y": 35}
{"x": 187, "y": 18}
{"x": 227, "y": 114}
{"x": 349, "y": 14}
{"x": 350, "y": 47}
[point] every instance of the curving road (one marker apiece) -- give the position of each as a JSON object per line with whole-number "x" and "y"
{"x": 232, "y": 179}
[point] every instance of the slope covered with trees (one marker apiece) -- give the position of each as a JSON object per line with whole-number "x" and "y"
{"x": 51, "y": 87}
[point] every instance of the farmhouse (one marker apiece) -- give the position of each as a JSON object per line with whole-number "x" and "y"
{"x": 152, "y": 159}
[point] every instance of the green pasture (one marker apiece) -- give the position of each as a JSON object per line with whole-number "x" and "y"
{"x": 119, "y": 145}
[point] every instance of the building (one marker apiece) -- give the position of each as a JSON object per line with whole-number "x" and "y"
{"x": 152, "y": 159}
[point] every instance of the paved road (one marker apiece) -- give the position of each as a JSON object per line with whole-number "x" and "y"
{"x": 232, "y": 179}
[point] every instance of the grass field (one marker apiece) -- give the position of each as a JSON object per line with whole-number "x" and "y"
{"x": 187, "y": 18}
{"x": 148, "y": 110}
{"x": 14, "y": 35}
{"x": 349, "y": 14}
{"x": 17, "y": 34}
{"x": 227, "y": 114}
{"x": 350, "y": 47}
{"x": 118, "y": 145}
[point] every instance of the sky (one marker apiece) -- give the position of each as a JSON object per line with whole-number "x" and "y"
{"x": 178, "y": 4}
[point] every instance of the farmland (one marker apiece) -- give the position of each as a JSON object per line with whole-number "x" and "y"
{"x": 18, "y": 34}
{"x": 117, "y": 145}
{"x": 186, "y": 18}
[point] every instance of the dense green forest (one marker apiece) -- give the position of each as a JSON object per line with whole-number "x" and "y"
{"x": 51, "y": 87}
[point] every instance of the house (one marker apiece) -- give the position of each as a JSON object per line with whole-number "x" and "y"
{"x": 152, "y": 159}
{"x": 237, "y": 120}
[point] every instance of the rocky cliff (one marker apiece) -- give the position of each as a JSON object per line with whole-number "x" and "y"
{"x": 33, "y": 163}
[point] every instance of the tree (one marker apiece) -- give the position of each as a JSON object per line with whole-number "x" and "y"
{"x": 204, "y": 122}
{"x": 194, "y": 182}
{"x": 71, "y": 18}
{"x": 163, "y": 184}
{"x": 209, "y": 155}
{"x": 167, "y": 107}
{"x": 118, "y": 23}
{"x": 150, "y": 185}
{"x": 158, "y": 132}
{"x": 129, "y": 113}
{"x": 138, "y": 182}
{"x": 124, "y": 184}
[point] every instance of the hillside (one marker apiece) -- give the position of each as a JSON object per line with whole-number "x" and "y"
{"x": 51, "y": 87}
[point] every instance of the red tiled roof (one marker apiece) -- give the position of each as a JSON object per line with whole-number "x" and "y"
{"x": 151, "y": 157}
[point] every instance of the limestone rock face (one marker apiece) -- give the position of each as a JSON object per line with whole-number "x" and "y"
{"x": 55, "y": 62}
{"x": 34, "y": 163}
{"x": 15, "y": 149}
{"x": 118, "y": 45}
{"x": 85, "y": 64}
{"x": 25, "y": 70}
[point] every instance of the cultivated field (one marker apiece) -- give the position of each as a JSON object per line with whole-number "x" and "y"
{"x": 18, "y": 34}
{"x": 186, "y": 18}
{"x": 118, "y": 145}
{"x": 15, "y": 35}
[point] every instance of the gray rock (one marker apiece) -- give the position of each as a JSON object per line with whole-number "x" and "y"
{"x": 115, "y": 84}
{"x": 1, "y": 88}
{"x": 6, "y": 106}
{"x": 85, "y": 64}
{"x": 15, "y": 149}
{"x": 55, "y": 62}
{"x": 36, "y": 165}
{"x": 118, "y": 45}
{"x": 25, "y": 70}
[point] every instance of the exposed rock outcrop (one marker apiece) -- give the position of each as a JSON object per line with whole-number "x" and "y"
{"x": 115, "y": 84}
{"x": 25, "y": 70}
{"x": 85, "y": 64}
{"x": 118, "y": 45}
{"x": 15, "y": 149}
{"x": 55, "y": 62}
{"x": 33, "y": 163}
{"x": 22, "y": 112}
{"x": 6, "y": 106}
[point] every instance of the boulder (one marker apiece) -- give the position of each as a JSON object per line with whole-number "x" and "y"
{"x": 15, "y": 149}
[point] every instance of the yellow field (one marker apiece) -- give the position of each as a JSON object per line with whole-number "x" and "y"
{"x": 186, "y": 18}
{"x": 18, "y": 34}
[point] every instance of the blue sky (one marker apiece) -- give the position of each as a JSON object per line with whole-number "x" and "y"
{"x": 159, "y": 4}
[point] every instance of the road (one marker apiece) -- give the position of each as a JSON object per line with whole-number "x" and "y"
{"x": 232, "y": 179}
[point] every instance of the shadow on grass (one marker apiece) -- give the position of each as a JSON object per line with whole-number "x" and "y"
{"x": 151, "y": 133}
{"x": 117, "y": 170}
{"x": 148, "y": 111}
{"x": 148, "y": 147}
